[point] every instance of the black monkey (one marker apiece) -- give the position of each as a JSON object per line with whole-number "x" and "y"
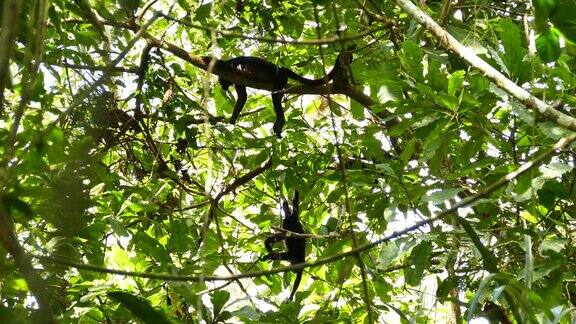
{"x": 295, "y": 246}
{"x": 262, "y": 71}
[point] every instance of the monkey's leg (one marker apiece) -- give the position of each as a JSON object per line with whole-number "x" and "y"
{"x": 241, "y": 92}
{"x": 280, "y": 120}
{"x": 296, "y": 284}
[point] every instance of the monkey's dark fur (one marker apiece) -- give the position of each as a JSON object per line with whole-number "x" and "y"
{"x": 261, "y": 71}
{"x": 295, "y": 246}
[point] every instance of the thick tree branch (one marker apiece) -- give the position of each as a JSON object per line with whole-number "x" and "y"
{"x": 337, "y": 87}
{"x": 491, "y": 73}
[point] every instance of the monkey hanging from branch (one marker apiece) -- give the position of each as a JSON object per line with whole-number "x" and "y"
{"x": 295, "y": 247}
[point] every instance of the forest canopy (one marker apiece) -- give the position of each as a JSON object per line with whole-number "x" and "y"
{"x": 430, "y": 162}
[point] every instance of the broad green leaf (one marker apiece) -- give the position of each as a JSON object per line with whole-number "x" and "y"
{"x": 455, "y": 82}
{"x": 514, "y": 51}
{"x": 544, "y": 7}
{"x": 441, "y": 196}
{"x": 528, "y": 216}
{"x": 219, "y": 299}
{"x": 357, "y": 111}
{"x": 488, "y": 259}
{"x": 555, "y": 245}
{"x": 408, "y": 151}
{"x": 564, "y": 19}
{"x": 411, "y": 59}
{"x": 446, "y": 286}
{"x": 387, "y": 254}
{"x": 420, "y": 260}
{"x": 202, "y": 12}
{"x": 555, "y": 170}
{"x": 548, "y": 45}
{"x": 345, "y": 269}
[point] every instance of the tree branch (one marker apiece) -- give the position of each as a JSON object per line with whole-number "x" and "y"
{"x": 491, "y": 73}
{"x": 235, "y": 184}
{"x": 244, "y": 179}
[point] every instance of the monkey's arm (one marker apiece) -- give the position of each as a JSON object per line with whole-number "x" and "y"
{"x": 270, "y": 241}
{"x": 224, "y": 83}
{"x": 275, "y": 255}
{"x": 295, "y": 203}
{"x": 285, "y": 208}
{"x": 240, "y": 102}
{"x": 279, "y": 111}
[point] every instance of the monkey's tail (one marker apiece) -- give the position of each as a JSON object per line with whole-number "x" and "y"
{"x": 296, "y": 284}
{"x": 294, "y": 76}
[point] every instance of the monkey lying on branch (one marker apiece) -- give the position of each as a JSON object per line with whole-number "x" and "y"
{"x": 255, "y": 72}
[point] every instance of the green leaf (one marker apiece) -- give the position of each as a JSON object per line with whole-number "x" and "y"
{"x": 555, "y": 245}
{"x": 441, "y": 196}
{"x": 184, "y": 4}
{"x": 408, "y": 151}
{"x": 529, "y": 216}
{"x": 488, "y": 259}
{"x": 548, "y": 46}
{"x": 552, "y": 130}
{"x": 411, "y": 58}
{"x": 514, "y": 51}
{"x": 544, "y": 7}
{"x": 420, "y": 260}
{"x": 202, "y": 13}
{"x": 345, "y": 269}
{"x": 139, "y": 307}
{"x": 455, "y": 82}
{"x": 357, "y": 111}
{"x": 564, "y": 18}
{"x": 446, "y": 286}
{"x": 555, "y": 170}
{"x": 522, "y": 189}
{"x": 294, "y": 25}
{"x": 219, "y": 299}
{"x": 387, "y": 254}
{"x": 118, "y": 228}
{"x": 552, "y": 294}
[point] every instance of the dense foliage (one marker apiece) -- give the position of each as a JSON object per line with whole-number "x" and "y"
{"x": 125, "y": 195}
